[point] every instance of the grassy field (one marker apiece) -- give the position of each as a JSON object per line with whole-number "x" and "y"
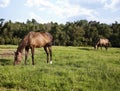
{"x": 73, "y": 69}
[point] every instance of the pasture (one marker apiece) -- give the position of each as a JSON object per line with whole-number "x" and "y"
{"x": 73, "y": 69}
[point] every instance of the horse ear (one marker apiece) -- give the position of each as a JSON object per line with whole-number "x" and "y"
{"x": 16, "y": 53}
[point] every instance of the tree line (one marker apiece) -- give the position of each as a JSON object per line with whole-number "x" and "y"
{"x": 77, "y": 33}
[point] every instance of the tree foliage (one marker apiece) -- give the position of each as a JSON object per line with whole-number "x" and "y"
{"x": 78, "y": 33}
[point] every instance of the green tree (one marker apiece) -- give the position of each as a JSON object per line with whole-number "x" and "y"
{"x": 115, "y": 36}
{"x": 1, "y": 21}
{"x": 2, "y": 41}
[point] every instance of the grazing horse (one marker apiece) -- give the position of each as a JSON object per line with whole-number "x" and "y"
{"x": 102, "y": 42}
{"x": 34, "y": 40}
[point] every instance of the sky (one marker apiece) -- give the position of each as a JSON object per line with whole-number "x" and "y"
{"x": 60, "y": 11}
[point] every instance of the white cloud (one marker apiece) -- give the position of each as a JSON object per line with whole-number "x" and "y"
{"x": 4, "y": 3}
{"x": 88, "y": 1}
{"x": 62, "y": 9}
{"x": 114, "y": 5}
{"x": 32, "y": 15}
{"x": 101, "y": 1}
{"x": 103, "y": 19}
{"x": 31, "y": 3}
{"x": 108, "y": 20}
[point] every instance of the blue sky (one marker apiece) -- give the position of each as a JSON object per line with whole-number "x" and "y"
{"x": 60, "y": 11}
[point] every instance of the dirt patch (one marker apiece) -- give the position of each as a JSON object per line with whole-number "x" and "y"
{"x": 5, "y": 53}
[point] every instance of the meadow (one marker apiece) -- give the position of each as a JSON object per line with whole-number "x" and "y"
{"x": 73, "y": 69}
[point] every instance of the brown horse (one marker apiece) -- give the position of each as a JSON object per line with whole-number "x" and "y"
{"x": 102, "y": 42}
{"x": 31, "y": 41}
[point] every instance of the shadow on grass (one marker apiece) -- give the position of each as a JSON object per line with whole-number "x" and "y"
{"x": 87, "y": 49}
{"x": 5, "y": 62}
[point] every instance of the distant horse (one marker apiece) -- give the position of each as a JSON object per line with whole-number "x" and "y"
{"x": 34, "y": 40}
{"x": 102, "y": 42}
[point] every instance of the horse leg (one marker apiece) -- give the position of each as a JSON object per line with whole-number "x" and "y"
{"x": 47, "y": 52}
{"x": 26, "y": 53}
{"x": 106, "y": 48}
{"x": 107, "y": 45}
{"x": 50, "y": 51}
{"x": 101, "y": 47}
{"x": 96, "y": 47}
{"x": 32, "y": 51}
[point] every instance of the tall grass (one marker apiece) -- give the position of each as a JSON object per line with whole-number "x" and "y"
{"x": 73, "y": 69}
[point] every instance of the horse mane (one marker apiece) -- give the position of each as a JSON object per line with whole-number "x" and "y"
{"x": 22, "y": 44}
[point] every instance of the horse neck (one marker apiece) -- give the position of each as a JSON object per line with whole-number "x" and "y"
{"x": 21, "y": 46}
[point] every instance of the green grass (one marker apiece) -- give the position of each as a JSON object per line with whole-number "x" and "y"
{"x": 73, "y": 69}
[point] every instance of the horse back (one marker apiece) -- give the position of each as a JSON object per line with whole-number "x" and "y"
{"x": 104, "y": 41}
{"x": 39, "y": 39}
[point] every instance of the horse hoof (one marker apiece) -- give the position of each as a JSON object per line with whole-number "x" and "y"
{"x": 50, "y": 62}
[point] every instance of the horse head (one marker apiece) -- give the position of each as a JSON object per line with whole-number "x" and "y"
{"x": 17, "y": 57}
